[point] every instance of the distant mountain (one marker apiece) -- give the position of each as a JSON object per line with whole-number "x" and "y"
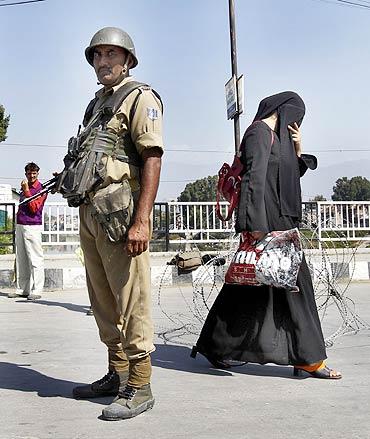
{"x": 322, "y": 180}
{"x": 175, "y": 175}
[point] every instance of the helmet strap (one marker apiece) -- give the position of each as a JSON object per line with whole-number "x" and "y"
{"x": 123, "y": 75}
{"x": 129, "y": 61}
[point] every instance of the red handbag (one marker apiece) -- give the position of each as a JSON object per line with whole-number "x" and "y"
{"x": 229, "y": 184}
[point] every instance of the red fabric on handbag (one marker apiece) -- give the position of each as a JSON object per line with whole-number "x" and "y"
{"x": 274, "y": 260}
{"x": 229, "y": 184}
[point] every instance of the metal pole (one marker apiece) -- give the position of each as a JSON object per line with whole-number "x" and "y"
{"x": 167, "y": 227}
{"x": 234, "y": 69}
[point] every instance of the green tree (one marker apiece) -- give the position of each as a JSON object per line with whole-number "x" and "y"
{"x": 354, "y": 189}
{"x": 193, "y": 217}
{"x": 6, "y": 239}
{"x": 203, "y": 189}
{"x": 4, "y": 123}
{"x": 318, "y": 198}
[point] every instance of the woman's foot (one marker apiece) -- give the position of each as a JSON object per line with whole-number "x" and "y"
{"x": 323, "y": 372}
{"x": 218, "y": 364}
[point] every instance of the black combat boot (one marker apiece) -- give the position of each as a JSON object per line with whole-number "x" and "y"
{"x": 109, "y": 385}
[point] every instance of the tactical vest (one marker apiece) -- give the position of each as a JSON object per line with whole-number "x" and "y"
{"x": 84, "y": 168}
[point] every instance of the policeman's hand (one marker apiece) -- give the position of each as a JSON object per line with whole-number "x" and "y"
{"x": 297, "y": 138}
{"x": 24, "y": 185}
{"x": 138, "y": 238}
{"x": 54, "y": 187}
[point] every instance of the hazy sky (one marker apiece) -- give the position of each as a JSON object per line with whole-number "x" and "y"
{"x": 317, "y": 48}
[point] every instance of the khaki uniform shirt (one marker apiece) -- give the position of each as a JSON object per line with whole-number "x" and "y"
{"x": 145, "y": 130}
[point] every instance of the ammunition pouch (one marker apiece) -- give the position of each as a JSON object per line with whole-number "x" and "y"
{"x": 80, "y": 176}
{"x": 85, "y": 170}
{"x": 113, "y": 208}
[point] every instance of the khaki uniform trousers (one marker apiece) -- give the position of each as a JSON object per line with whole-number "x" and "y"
{"x": 120, "y": 296}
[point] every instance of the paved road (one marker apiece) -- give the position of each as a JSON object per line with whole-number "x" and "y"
{"x": 48, "y": 347}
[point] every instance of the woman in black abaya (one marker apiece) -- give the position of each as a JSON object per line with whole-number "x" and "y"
{"x": 262, "y": 324}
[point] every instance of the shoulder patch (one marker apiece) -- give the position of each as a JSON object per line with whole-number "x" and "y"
{"x": 152, "y": 113}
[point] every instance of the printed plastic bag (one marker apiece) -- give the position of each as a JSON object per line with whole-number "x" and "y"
{"x": 274, "y": 260}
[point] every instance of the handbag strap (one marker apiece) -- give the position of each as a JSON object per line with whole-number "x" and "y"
{"x": 221, "y": 180}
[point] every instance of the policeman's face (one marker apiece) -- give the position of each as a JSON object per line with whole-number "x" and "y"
{"x": 109, "y": 62}
{"x": 31, "y": 176}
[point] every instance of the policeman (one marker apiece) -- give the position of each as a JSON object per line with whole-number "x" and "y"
{"x": 118, "y": 273}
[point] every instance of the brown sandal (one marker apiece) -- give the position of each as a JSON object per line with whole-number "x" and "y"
{"x": 323, "y": 373}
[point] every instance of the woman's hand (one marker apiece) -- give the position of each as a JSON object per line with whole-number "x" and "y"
{"x": 296, "y": 136}
{"x": 258, "y": 235}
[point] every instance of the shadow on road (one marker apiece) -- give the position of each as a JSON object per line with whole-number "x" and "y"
{"x": 177, "y": 357}
{"x": 3, "y": 294}
{"x": 67, "y": 305}
{"x": 20, "y": 377}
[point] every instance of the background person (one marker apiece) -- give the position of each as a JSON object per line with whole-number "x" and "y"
{"x": 29, "y": 253}
{"x": 262, "y": 324}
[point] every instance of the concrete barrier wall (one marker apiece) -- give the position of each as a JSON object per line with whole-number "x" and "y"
{"x": 66, "y": 271}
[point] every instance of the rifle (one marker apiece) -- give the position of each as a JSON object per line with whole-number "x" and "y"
{"x": 47, "y": 187}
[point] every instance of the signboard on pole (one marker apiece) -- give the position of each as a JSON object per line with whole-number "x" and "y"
{"x": 240, "y": 85}
{"x": 234, "y": 90}
{"x": 231, "y": 98}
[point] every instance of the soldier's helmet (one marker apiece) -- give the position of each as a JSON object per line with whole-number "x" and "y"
{"x": 112, "y": 36}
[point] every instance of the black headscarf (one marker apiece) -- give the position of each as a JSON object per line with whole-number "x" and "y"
{"x": 290, "y": 108}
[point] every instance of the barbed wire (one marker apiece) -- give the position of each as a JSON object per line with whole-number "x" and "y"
{"x": 330, "y": 288}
